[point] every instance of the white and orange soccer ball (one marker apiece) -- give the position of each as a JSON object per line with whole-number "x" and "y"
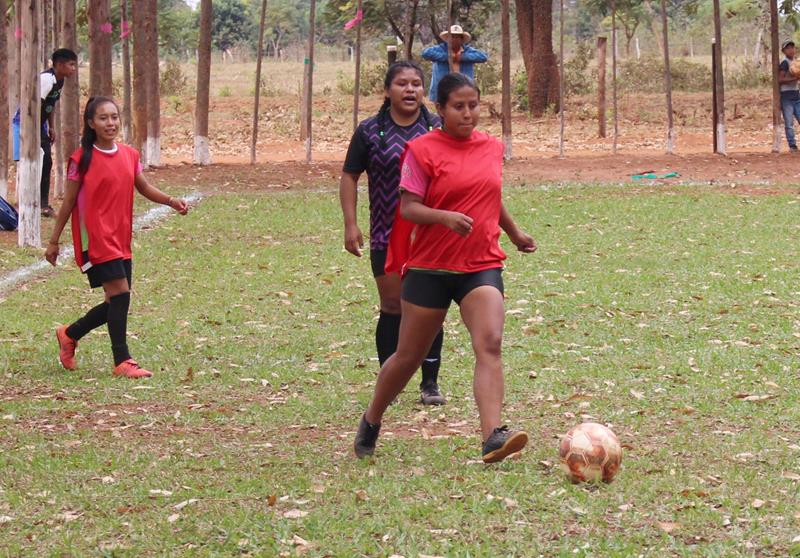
{"x": 590, "y": 452}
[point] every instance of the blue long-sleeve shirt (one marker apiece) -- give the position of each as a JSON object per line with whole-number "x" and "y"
{"x": 441, "y": 65}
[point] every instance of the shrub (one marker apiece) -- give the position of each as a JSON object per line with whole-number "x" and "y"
{"x": 488, "y": 76}
{"x": 371, "y": 80}
{"x": 225, "y": 91}
{"x": 173, "y": 80}
{"x": 519, "y": 89}
{"x": 750, "y": 76}
{"x": 646, "y": 75}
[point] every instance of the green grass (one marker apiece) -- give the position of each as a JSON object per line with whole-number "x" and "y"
{"x": 654, "y": 313}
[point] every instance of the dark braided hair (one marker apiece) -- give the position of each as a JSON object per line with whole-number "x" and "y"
{"x": 89, "y": 136}
{"x": 452, "y": 82}
{"x": 383, "y": 113}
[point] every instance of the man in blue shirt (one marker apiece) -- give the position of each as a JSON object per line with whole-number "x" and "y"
{"x": 462, "y": 57}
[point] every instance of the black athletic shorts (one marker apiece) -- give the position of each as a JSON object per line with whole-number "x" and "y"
{"x": 108, "y": 271}
{"x": 435, "y": 289}
{"x": 377, "y": 258}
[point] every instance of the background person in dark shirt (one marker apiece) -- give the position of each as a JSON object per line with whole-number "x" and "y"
{"x": 376, "y": 147}
{"x": 790, "y": 95}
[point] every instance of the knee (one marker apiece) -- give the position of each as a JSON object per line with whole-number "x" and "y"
{"x": 407, "y": 361}
{"x": 489, "y": 345}
{"x": 390, "y": 306}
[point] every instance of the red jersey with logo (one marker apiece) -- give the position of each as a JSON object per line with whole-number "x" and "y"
{"x": 452, "y": 174}
{"x": 102, "y": 219}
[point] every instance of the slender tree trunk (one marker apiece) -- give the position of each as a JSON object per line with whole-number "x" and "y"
{"x": 59, "y": 167}
{"x": 357, "y": 79}
{"x": 127, "y": 123}
{"x": 258, "y": 82}
{"x": 411, "y": 23}
{"x": 29, "y": 169}
{"x": 4, "y": 123}
{"x": 99, "y": 47}
{"x": 561, "y": 81}
{"x": 667, "y": 80}
{"x": 614, "y": 75}
{"x": 202, "y": 153}
{"x": 312, "y": 19}
{"x": 140, "y": 78}
{"x": 777, "y": 116}
{"x": 601, "y": 86}
{"x": 450, "y": 60}
{"x": 153, "y": 88}
{"x": 70, "y": 95}
{"x": 506, "y": 40}
{"x": 720, "y": 88}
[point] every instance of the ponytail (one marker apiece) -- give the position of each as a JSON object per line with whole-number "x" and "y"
{"x": 382, "y": 113}
{"x": 89, "y": 136}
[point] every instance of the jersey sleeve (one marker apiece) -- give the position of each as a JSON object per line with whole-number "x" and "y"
{"x": 413, "y": 179}
{"x": 357, "y": 158}
{"x": 46, "y": 83}
{"x": 72, "y": 171}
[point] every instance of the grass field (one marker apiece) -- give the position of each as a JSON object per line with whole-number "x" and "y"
{"x": 670, "y": 315}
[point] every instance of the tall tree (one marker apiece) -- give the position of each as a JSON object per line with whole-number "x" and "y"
{"x": 153, "y": 87}
{"x": 561, "y": 82}
{"x": 140, "y": 79}
{"x": 29, "y": 167}
{"x": 4, "y": 124}
{"x": 312, "y": 18}
{"x": 614, "y": 75}
{"x": 70, "y": 94}
{"x": 720, "y": 85}
{"x": 774, "y": 23}
{"x": 535, "y": 29}
{"x": 259, "y": 58}
{"x": 58, "y": 154}
{"x": 202, "y": 153}
{"x": 127, "y": 124}
{"x": 506, "y": 70}
{"x": 357, "y": 78}
{"x": 411, "y": 24}
{"x": 667, "y": 79}
{"x": 99, "y": 47}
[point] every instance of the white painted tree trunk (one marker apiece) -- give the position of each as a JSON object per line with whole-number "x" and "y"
{"x": 638, "y": 49}
{"x": 153, "y": 151}
{"x": 202, "y": 153}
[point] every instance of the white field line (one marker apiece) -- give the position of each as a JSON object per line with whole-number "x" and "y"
{"x": 23, "y": 274}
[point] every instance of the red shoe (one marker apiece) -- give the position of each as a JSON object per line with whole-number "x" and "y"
{"x": 131, "y": 369}
{"x": 66, "y": 346}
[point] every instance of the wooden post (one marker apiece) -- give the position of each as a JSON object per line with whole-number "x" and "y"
{"x": 506, "y": 105}
{"x": 777, "y": 115}
{"x": 70, "y": 95}
{"x": 719, "y": 86}
{"x": 127, "y": 124}
{"x": 601, "y": 86}
{"x": 312, "y": 19}
{"x": 29, "y": 168}
{"x": 667, "y": 80}
{"x": 260, "y": 55}
{"x": 202, "y": 154}
{"x": 714, "y": 113}
{"x": 153, "y": 87}
{"x": 357, "y": 79}
{"x": 59, "y": 165}
{"x": 614, "y": 74}
{"x": 140, "y": 61}
{"x": 561, "y": 107}
{"x": 4, "y": 121}
{"x": 391, "y": 54}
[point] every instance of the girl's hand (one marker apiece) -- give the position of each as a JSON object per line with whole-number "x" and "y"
{"x": 51, "y": 254}
{"x": 458, "y": 222}
{"x": 353, "y": 240}
{"x": 524, "y": 242}
{"x": 179, "y": 205}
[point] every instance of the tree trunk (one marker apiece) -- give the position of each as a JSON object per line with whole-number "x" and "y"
{"x": 411, "y": 23}
{"x": 127, "y": 124}
{"x": 614, "y": 75}
{"x": 357, "y": 79}
{"x": 720, "y": 86}
{"x": 202, "y": 153}
{"x": 506, "y": 108}
{"x": 258, "y": 82}
{"x": 774, "y": 23}
{"x": 601, "y": 86}
{"x": 4, "y": 124}
{"x": 153, "y": 88}
{"x": 99, "y": 48}
{"x": 29, "y": 168}
{"x": 312, "y": 18}
{"x": 561, "y": 81}
{"x": 667, "y": 80}
{"x": 71, "y": 94}
{"x": 58, "y": 153}
{"x": 535, "y": 27}
{"x": 140, "y": 78}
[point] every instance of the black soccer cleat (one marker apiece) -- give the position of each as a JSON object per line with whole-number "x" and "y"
{"x": 430, "y": 394}
{"x": 366, "y": 437}
{"x": 502, "y": 443}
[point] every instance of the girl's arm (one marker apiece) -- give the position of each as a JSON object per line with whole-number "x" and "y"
{"x": 70, "y": 195}
{"x": 157, "y": 196}
{"x": 412, "y": 208}
{"x": 523, "y": 241}
{"x": 348, "y": 197}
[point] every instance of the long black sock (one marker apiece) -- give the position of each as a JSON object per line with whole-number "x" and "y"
{"x": 118, "y": 326}
{"x": 430, "y": 366}
{"x": 386, "y": 335}
{"x": 94, "y": 318}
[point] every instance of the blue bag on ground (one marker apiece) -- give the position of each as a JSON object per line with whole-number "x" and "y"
{"x": 8, "y": 216}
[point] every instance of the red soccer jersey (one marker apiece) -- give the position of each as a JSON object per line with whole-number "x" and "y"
{"x": 463, "y": 176}
{"x": 102, "y": 219}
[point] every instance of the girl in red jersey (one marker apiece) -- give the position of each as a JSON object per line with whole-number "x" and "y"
{"x": 446, "y": 244}
{"x": 101, "y": 177}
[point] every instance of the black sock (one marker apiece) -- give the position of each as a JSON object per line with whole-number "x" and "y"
{"x": 430, "y": 366}
{"x": 118, "y": 326}
{"x": 94, "y": 318}
{"x": 386, "y": 335}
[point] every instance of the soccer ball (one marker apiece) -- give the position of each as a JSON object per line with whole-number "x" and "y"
{"x": 590, "y": 452}
{"x": 794, "y": 68}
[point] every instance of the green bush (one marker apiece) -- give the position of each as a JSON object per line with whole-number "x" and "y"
{"x": 488, "y": 76}
{"x": 372, "y": 76}
{"x": 749, "y": 76}
{"x": 225, "y": 91}
{"x": 173, "y": 80}
{"x": 647, "y": 75}
{"x": 578, "y": 79}
{"x": 519, "y": 89}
